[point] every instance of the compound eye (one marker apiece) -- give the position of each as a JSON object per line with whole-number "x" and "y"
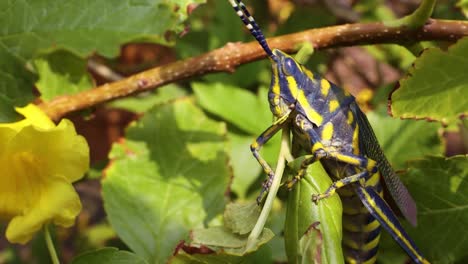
{"x": 289, "y": 67}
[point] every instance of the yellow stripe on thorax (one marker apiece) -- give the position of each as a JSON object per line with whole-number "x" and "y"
{"x": 310, "y": 112}
{"x": 292, "y": 86}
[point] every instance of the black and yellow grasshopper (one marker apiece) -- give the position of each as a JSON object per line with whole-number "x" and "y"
{"x": 327, "y": 124}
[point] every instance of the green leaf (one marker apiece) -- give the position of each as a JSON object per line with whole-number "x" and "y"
{"x": 219, "y": 245}
{"x": 14, "y": 85}
{"x": 143, "y": 102}
{"x": 392, "y": 53}
{"x": 435, "y": 87}
{"x": 61, "y": 73}
{"x": 101, "y": 26}
{"x": 439, "y": 186}
{"x": 240, "y": 218}
{"x": 247, "y": 112}
{"x": 245, "y": 167}
{"x": 238, "y": 106}
{"x": 302, "y": 213}
{"x": 170, "y": 175}
{"x": 223, "y": 240}
{"x": 463, "y": 5}
{"x": 108, "y": 255}
{"x": 31, "y": 28}
{"x": 397, "y": 137}
{"x": 97, "y": 235}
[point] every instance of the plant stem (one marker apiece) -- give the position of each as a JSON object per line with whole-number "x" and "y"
{"x": 417, "y": 18}
{"x": 50, "y": 246}
{"x": 229, "y": 57}
{"x": 283, "y": 155}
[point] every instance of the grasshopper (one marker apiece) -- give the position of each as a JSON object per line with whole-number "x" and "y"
{"x": 328, "y": 125}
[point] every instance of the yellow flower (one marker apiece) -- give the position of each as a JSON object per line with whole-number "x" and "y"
{"x": 38, "y": 162}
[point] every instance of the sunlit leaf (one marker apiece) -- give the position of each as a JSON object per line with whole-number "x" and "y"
{"x": 169, "y": 176}
{"x": 397, "y": 137}
{"x": 435, "y": 87}
{"x": 61, "y": 73}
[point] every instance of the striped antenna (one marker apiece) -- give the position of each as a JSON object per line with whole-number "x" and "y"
{"x": 251, "y": 25}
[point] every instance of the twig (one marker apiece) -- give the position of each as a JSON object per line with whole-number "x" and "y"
{"x": 227, "y": 58}
{"x": 284, "y": 154}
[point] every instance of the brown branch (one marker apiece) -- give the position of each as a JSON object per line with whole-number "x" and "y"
{"x": 227, "y": 58}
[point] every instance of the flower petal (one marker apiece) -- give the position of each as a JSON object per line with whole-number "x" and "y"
{"x": 35, "y": 116}
{"x": 39, "y": 162}
{"x": 57, "y": 151}
{"x": 58, "y": 203}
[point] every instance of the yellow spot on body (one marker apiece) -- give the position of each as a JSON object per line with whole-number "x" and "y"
{"x": 309, "y": 74}
{"x": 350, "y": 117}
{"x": 355, "y": 227}
{"x": 371, "y": 244}
{"x": 350, "y": 243}
{"x": 333, "y": 105}
{"x": 356, "y": 138}
{"x": 351, "y": 260}
{"x": 324, "y": 87}
{"x": 371, "y": 164}
{"x": 371, "y": 227}
{"x": 327, "y": 132}
{"x": 373, "y": 180}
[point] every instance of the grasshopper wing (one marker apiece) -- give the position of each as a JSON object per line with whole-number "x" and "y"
{"x": 371, "y": 148}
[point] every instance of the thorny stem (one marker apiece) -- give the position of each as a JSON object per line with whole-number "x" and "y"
{"x": 284, "y": 154}
{"x": 50, "y": 245}
{"x": 227, "y": 58}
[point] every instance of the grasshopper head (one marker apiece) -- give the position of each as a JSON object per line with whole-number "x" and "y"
{"x": 287, "y": 76}
{"x": 287, "y": 73}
